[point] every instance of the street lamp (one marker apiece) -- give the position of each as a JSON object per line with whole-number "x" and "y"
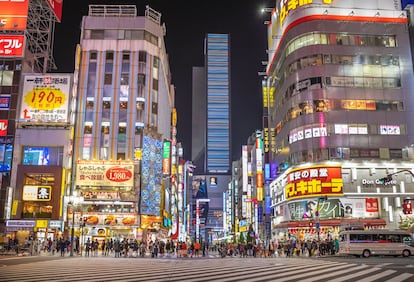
{"x": 81, "y": 227}
{"x": 73, "y": 201}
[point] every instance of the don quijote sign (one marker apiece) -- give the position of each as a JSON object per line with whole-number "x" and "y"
{"x": 378, "y": 181}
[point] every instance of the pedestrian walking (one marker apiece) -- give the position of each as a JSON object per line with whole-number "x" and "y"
{"x": 87, "y": 247}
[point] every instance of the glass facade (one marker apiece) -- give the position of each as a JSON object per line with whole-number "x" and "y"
{"x": 353, "y": 78}
{"x": 218, "y": 102}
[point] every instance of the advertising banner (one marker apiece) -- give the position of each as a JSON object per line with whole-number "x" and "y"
{"x": 106, "y": 219}
{"x": 56, "y": 7}
{"x": 45, "y": 98}
{"x": 11, "y": 45}
{"x": 3, "y": 127}
{"x": 13, "y": 14}
{"x": 314, "y": 181}
{"x": 5, "y": 102}
{"x": 104, "y": 173}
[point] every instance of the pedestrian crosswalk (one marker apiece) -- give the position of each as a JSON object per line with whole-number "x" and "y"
{"x": 100, "y": 269}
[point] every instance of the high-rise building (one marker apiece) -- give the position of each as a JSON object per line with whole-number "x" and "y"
{"x": 211, "y": 133}
{"x": 211, "y": 130}
{"x": 339, "y": 94}
{"x": 124, "y": 105}
{"x": 218, "y": 142}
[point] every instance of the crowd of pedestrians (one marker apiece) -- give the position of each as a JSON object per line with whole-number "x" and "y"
{"x": 123, "y": 248}
{"x": 281, "y": 248}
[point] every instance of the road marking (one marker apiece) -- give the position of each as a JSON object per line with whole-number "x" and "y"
{"x": 400, "y": 277}
{"x": 376, "y": 276}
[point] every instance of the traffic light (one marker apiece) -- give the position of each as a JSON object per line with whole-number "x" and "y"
{"x": 407, "y": 207}
{"x": 323, "y": 199}
{"x": 385, "y": 179}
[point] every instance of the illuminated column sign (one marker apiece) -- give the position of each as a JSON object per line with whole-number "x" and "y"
{"x": 259, "y": 169}
{"x": 166, "y": 158}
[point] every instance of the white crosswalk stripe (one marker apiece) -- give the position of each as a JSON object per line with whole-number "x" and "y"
{"x": 103, "y": 269}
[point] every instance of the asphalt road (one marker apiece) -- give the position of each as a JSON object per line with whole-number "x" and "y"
{"x": 211, "y": 268}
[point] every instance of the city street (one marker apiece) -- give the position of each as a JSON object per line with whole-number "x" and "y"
{"x": 211, "y": 268}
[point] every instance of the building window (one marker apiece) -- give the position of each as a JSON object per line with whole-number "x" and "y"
{"x": 106, "y": 110}
{"x": 97, "y": 34}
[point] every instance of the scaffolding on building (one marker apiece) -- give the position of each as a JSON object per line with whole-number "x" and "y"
{"x": 40, "y": 35}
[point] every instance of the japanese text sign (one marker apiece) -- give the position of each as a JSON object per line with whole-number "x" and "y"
{"x": 11, "y": 45}
{"x": 45, "y": 98}
{"x": 104, "y": 173}
{"x": 314, "y": 181}
{"x": 37, "y": 193}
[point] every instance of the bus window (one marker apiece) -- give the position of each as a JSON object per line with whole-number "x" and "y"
{"x": 394, "y": 238}
{"x": 360, "y": 237}
{"x": 407, "y": 240}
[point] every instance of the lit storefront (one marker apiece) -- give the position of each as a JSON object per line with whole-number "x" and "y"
{"x": 326, "y": 199}
{"x": 108, "y": 207}
{"x": 35, "y": 209}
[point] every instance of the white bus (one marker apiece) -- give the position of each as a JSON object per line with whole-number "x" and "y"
{"x": 376, "y": 242}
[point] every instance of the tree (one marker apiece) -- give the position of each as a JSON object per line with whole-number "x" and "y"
{"x": 241, "y": 238}
{"x": 250, "y": 234}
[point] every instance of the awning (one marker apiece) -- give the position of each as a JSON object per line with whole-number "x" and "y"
{"x": 20, "y": 228}
{"x": 348, "y": 222}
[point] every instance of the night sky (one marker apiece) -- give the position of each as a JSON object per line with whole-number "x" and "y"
{"x": 187, "y": 23}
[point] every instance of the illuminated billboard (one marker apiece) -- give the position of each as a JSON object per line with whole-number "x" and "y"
{"x": 11, "y": 45}
{"x": 13, "y": 14}
{"x": 37, "y": 193}
{"x": 56, "y": 7}
{"x": 151, "y": 177}
{"x": 314, "y": 181}
{"x": 3, "y": 127}
{"x": 45, "y": 98}
{"x": 104, "y": 173}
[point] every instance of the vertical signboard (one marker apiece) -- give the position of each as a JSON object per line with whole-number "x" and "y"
{"x": 3, "y": 127}
{"x": 166, "y": 158}
{"x": 259, "y": 169}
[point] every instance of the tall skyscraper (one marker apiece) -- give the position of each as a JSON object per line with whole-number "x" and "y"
{"x": 212, "y": 107}
{"x": 211, "y": 133}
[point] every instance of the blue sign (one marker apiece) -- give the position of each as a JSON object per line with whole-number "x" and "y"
{"x": 404, "y": 3}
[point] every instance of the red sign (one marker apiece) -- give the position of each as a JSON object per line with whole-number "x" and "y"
{"x": 371, "y": 204}
{"x": 11, "y": 45}
{"x": 118, "y": 174}
{"x": 56, "y": 6}
{"x": 3, "y": 127}
{"x": 314, "y": 181}
{"x": 13, "y": 14}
